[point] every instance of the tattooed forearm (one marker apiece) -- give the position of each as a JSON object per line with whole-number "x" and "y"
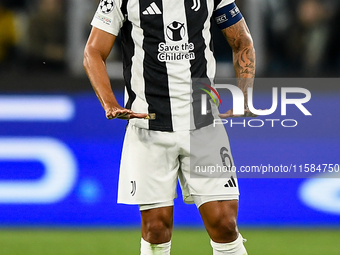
{"x": 239, "y": 38}
{"x": 244, "y": 62}
{"x": 248, "y": 70}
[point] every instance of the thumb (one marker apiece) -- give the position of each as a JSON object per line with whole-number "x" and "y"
{"x": 226, "y": 115}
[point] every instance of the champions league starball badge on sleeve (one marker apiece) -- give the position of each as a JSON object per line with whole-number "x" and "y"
{"x": 107, "y": 6}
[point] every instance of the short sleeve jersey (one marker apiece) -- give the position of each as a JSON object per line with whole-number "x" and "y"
{"x": 167, "y": 57}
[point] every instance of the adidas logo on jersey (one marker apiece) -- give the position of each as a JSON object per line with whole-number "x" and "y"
{"x": 152, "y": 9}
{"x": 231, "y": 183}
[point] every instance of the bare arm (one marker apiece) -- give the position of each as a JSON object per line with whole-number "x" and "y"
{"x": 96, "y": 52}
{"x": 241, "y": 42}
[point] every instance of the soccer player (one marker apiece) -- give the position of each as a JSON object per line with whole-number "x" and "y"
{"x": 167, "y": 51}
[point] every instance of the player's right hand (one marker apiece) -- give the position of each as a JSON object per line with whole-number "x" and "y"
{"x": 122, "y": 113}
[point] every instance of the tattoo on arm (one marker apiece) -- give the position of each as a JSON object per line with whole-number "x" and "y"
{"x": 239, "y": 38}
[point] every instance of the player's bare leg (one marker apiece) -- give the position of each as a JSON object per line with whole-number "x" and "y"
{"x": 157, "y": 225}
{"x": 219, "y": 218}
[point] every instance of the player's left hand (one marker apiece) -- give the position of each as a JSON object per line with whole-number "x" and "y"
{"x": 230, "y": 114}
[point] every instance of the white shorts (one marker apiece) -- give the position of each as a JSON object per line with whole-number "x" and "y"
{"x": 153, "y": 161}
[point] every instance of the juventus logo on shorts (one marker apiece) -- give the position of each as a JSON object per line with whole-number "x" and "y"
{"x": 133, "y": 191}
{"x": 196, "y": 5}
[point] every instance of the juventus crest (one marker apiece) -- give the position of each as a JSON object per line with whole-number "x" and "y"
{"x": 196, "y": 5}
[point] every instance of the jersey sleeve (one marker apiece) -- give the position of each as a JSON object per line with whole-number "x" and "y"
{"x": 221, "y": 3}
{"x": 109, "y": 16}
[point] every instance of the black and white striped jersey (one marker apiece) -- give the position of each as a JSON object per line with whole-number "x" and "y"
{"x": 166, "y": 48}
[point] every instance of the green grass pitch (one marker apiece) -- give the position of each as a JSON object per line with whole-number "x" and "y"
{"x": 184, "y": 242}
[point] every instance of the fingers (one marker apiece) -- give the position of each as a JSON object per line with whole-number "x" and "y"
{"x": 225, "y": 115}
{"x": 113, "y": 113}
{"x": 138, "y": 115}
{"x": 125, "y": 114}
{"x": 248, "y": 113}
{"x": 230, "y": 114}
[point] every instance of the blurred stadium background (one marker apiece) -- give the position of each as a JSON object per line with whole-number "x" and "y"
{"x": 59, "y": 157}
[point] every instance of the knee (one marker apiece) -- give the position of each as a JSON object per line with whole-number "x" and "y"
{"x": 223, "y": 230}
{"x": 226, "y": 226}
{"x": 157, "y": 225}
{"x": 220, "y": 220}
{"x": 157, "y": 231}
